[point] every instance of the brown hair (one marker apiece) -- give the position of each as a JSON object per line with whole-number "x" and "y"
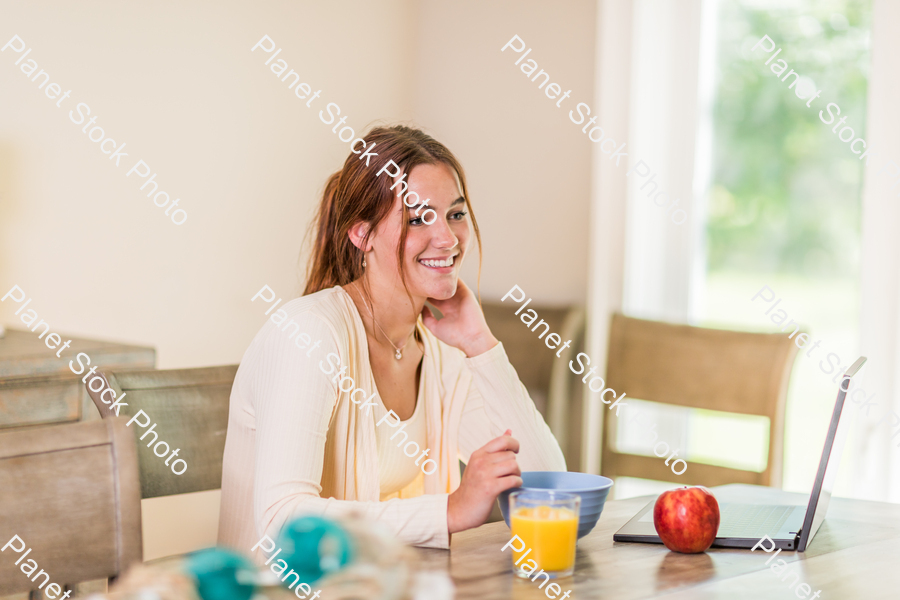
{"x": 356, "y": 194}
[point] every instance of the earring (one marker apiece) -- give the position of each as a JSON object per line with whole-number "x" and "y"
{"x": 364, "y": 263}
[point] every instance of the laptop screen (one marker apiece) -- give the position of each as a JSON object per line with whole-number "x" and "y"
{"x": 830, "y": 461}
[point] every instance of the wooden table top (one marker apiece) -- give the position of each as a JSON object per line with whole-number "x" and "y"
{"x": 855, "y": 555}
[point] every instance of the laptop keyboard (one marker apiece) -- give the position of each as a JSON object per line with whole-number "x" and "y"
{"x": 752, "y": 520}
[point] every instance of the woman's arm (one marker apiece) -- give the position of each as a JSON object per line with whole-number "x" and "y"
{"x": 498, "y": 400}
{"x": 294, "y": 400}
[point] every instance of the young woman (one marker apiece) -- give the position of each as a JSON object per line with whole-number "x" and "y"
{"x": 340, "y": 385}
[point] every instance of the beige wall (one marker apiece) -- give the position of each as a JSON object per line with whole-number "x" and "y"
{"x": 178, "y": 84}
{"x": 528, "y": 165}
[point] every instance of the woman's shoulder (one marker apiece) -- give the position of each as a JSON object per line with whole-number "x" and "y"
{"x": 322, "y": 315}
{"x": 329, "y": 305}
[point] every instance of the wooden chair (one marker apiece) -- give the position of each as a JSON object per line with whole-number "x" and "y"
{"x": 41, "y": 400}
{"x": 37, "y": 388}
{"x": 190, "y": 409}
{"x": 695, "y": 367}
{"x": 71, "y": 494}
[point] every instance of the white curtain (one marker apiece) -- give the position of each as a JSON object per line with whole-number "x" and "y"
{"x": 658, "y": 113}
{"x": 877, "y": 472}
{"x": 660, "y": 255}
{"x": 608, "y": 190}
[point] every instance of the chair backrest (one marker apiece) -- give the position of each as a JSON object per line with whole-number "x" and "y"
{"x": 38, "y": 388}
{"x": 696, "y": 367}
{"x": 41, "y": 400}
{"x": 189, "y": 408}
{"x": 544, "y": 374}
{"x": 71, "y": 494}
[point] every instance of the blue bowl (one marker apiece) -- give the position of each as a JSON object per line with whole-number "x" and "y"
{"x": 593, "y": 490}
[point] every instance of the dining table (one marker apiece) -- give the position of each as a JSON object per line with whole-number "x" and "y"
{"x": 854, "y": 555}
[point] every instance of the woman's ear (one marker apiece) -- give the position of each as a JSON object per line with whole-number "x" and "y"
{"x": 358, "y": 233}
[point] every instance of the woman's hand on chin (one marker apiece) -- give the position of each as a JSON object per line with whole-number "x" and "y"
{"x": 463, "y": 325}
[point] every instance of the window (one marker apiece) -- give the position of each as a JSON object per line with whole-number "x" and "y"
{"x": 785, "y": 201}
{"x": 783, "y": 207}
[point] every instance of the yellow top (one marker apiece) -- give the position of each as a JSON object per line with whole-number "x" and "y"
{"x": 399, "y": 450}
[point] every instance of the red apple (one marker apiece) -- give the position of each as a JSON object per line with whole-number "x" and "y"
{"x": 687, "y": 519}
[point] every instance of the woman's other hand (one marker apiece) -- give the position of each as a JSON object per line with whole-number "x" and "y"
{"x": 491, "y": 469}
{"x": 463, "y": 325}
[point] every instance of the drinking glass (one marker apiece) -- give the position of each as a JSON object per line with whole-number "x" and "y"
{"x": 547, "y": 522}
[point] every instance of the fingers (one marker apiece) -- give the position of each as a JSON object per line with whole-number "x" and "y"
{"x": 506, "y": 467}
{"x": 509, "y": 482}
{"x": 494, "y": 458}
{"x": 504, "y": 442}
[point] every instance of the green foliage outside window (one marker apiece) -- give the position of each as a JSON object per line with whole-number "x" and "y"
{"x": 786, "y": 191}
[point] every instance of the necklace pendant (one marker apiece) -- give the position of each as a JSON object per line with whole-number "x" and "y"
{"x": 398, "y": 356}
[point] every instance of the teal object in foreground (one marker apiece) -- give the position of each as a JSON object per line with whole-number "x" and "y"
{"x": 593, "y": 490}
{"x": 315, "y": 547}
{"x": 221, "y": 574}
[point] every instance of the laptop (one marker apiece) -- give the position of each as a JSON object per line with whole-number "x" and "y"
{"x": 790, "y": 527}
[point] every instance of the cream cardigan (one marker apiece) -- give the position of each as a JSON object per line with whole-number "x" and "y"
{"x": 297, "y": 445}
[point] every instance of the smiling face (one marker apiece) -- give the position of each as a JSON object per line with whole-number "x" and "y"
{"x": 434, "y": 252}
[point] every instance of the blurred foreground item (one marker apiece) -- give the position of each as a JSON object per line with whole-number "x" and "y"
{"x": 696, "y": 367}
{"x": 190, "y": 409}
{"x": 71, "y": 493}
{"x": 37, "y": 387}
{"x": 342, "y": 559}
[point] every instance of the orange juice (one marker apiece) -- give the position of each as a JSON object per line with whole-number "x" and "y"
{"x": 550, "y": 533}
